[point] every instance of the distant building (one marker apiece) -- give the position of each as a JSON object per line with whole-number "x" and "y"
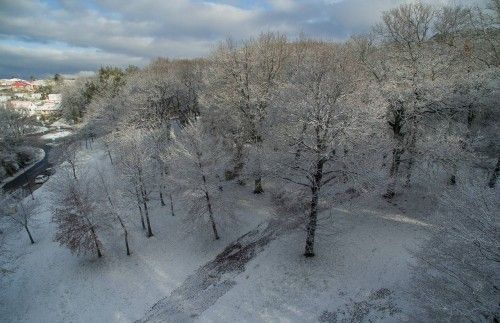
{"x": 22, "y": 85}
{"x": 29, "y": 96}
{"x": 55, "y": 97}
{"x": 42, "y": 108}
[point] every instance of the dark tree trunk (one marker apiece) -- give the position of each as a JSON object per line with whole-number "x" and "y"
{"x": 209, "y": 206}
{"x": 74, "y": 170}
{"x": 311, "y": 225}
{"x": 110, "y": 158}
{"x": 211, "y": 216}
{"x": 142, "y": 217}
{"x": 29, "y": 234}
{"x": 140, "y": 209}
{"x": 258, "y": 186}
{"x": 146, "y": 213}
{"x": 94, "y": 236}
{"x": 313, "y": 215}
{"x": 125, "y": 232}
{"x": 494, "y": 175}
{"x": 171, "y": 205}
{"x": 161, "y": 198}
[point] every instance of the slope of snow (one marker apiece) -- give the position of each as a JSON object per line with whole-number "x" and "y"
{"x": 360, "y": 272}
{"x": 49, "y": 284}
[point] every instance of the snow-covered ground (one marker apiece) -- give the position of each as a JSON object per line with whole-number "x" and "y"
{"x": 61, "y": 123}
{"x": 49, "y": 284}
{"x": 360, "y": 272}
{"x": 56, "y": 135}
{"x": 38, "y": 129}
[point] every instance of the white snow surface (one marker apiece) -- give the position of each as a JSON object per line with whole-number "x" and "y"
{"x": 56, "y": 135}
{"x": 360, "y": 272}
{"x": 49, "y": 284}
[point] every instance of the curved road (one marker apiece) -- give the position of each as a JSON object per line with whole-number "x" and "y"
{"x": 27, "y": 179}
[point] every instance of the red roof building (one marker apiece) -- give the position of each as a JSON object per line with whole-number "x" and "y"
{"x": 21, "y": 84}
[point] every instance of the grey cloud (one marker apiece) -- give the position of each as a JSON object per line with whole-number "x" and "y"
{"x": 176, "y": 28}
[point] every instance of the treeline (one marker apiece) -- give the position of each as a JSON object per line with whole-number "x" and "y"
{"x": 414, "y": 104}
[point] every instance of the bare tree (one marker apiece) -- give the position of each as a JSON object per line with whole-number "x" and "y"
{"x": 316, "y": 125}
{"x": 137, "y": 168}
{"x": 20, "y": 211}
{"x": 241, "y": 84}
{"x": 113, "y": 209}
{"x": 197, "y": 164}
{"x": 76, "y": 215}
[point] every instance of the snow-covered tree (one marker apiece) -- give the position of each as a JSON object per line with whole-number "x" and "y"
{"x": 20, "y": 210}
{"x": 111, "y": 204}
{"x": 314, "y": 126}
{"x": 456, "y": 274}
{"x": 197, "y": 164}
{"x": 75, "y": 213}
{"x": 241, "y": 83}
{"x": 137, "y": 168}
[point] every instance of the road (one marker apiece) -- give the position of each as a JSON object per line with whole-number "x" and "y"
{"x": 27, "y": 179}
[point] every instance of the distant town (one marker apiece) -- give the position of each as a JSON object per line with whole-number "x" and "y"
{"x": 30, "y": 124}
{"x": 35, "y": 98}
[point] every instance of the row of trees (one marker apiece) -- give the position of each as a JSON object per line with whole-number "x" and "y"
{"x": 414, "y": 103}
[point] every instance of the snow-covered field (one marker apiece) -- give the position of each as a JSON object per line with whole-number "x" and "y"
{"x": 49, "y": 284}
{"x": 360, "y": 272}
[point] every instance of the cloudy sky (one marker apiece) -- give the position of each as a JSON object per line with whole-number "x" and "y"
{"x": 43, "y": 37}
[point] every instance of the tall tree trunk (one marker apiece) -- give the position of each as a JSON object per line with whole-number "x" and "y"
{"x": 313, "y": 214}
{"x": 211, "y": 216}
{"x": 125, "y": 232}
{"x": 29, "y": 234}
{"x": 494, "y": 175}
{"x": 142, "y": 217}
{"x": 74, "y": 170}
{"x": 146, "y": 213}
{"x": 171, "y": 205}
{"x": 94, "y": 236}
{"x": 140, "y": 209}
{"x": 161, "y": 198}
{"x": 209, "y": 206}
